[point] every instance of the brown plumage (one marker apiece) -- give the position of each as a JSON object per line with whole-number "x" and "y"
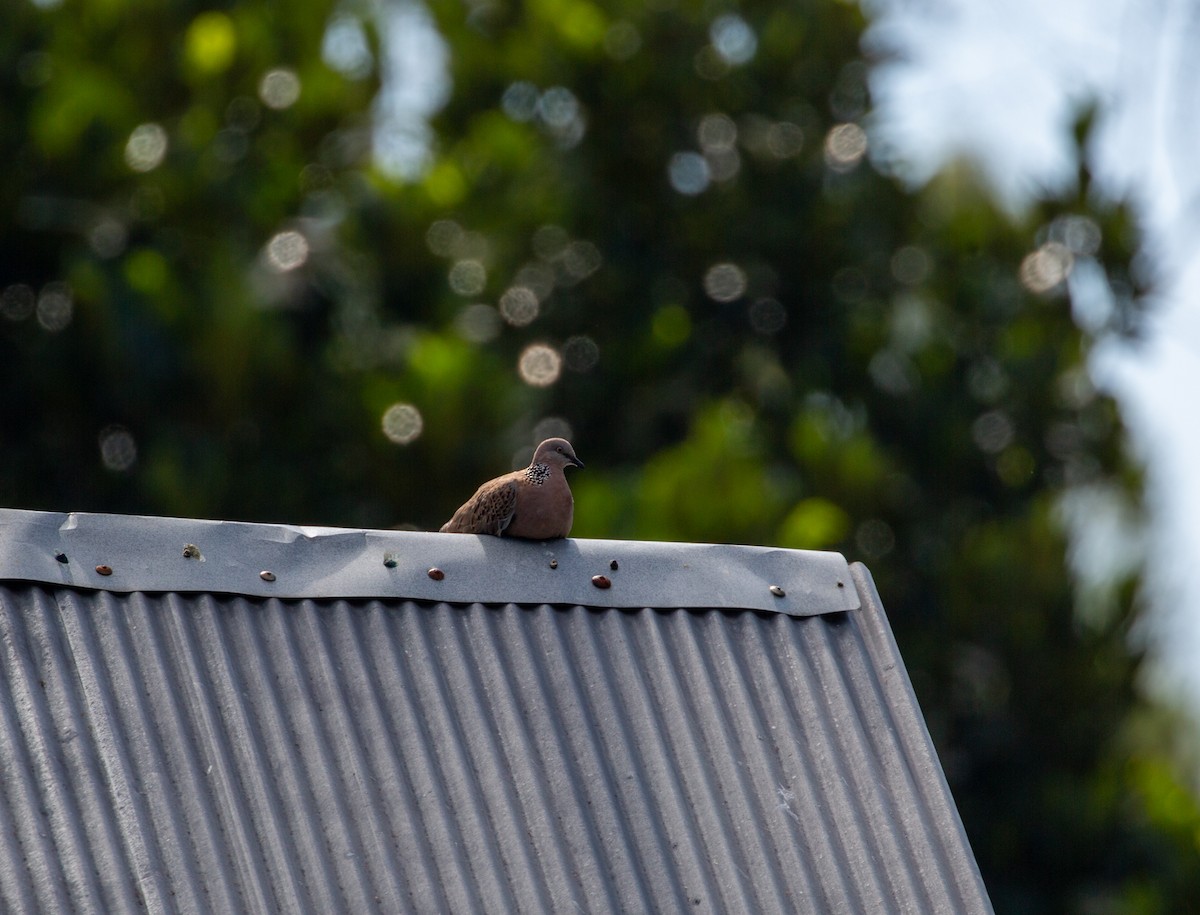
{"x": 534, "y": 503}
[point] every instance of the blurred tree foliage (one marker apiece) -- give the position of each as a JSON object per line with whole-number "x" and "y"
{"x": 215, "y": 301}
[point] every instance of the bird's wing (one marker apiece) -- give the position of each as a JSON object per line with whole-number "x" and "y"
{"x": 489, "y": 511}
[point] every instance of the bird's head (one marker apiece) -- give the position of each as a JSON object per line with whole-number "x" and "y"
{"x": 557, "y": 452}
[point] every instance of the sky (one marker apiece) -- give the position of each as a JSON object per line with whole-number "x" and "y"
{"x": 999, "y": 83}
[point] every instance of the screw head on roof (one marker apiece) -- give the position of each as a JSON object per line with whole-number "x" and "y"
{"x": 777, "y": 591}
{"x": 554, "y": 563}
{"x": 104, "y": 570}
{"x": 61, "y": 557}
{"x": 191, "y": 551}
{"x": 266, "y": 575}
{"x": 436, "y": 574}
{"x": 389, "y": 561}
{"x": 601, "y": 581}
{"x": 613, "y": 565}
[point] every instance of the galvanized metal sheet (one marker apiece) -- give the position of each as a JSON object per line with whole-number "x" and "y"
{"x": 131, "y": 553}
{"x": 198, "y": 753}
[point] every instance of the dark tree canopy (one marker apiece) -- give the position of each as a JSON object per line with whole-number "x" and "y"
{"x": 655, "y": 227}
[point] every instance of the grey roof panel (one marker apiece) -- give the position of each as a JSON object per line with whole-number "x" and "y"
{"x": 147, "y": 554}
{"x": 203, "y": 752}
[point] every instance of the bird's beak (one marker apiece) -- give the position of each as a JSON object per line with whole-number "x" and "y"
{"x": 578, "y": 463}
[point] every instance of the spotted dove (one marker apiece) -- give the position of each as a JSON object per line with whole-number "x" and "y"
{"x": 534, "y": 503}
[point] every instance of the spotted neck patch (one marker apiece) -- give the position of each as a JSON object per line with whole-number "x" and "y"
{"x": 537, "y": 474}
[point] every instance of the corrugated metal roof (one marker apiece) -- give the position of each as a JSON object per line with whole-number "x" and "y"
{"x": 204, "y": 751}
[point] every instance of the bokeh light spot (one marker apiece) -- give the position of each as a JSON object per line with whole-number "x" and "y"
{"x": 911, "y": 265}
{"x": 725, "y": 282}
{"x": 581, "y": 353}
{"x": 414, "y": 83}
{"x": 519, "y": 306}
{"x": 723, "y": 164}
{"x": 210, "y": 43}
{"x": 230, "y": 145}
{"x": 1015, "y": 466}
{"x": 785, "y": 139}
{"x": 849, "y": 98}
{"x": 986, "y": 380}
{"x": 17, "y": 302}
{"x": 286, "y": 251}
{"x": 118, "y": 449}
{"x": 733, "y": 39}
{"x": 579, "y": 260}
{"x": 716, "y": 131}
{"x": 993, "y": 431}
{"x": 147, "y": 271}
{"x": 107, "y": 237}
{"x": 55, "y": 307}
{"x": 279, "y": 88}
{"x": 402, "y": 423}
{"x": 622, "y": 40}
{"x": 562, "y": 115}
{"x": 552, "y": 427}
{"x": 672, "y": 325}
{"x": 768, "y": 316}
{"x": 243, "y": 113}
{"x": 539, "y": 365}
{"x": 558, "y": 107}
{"x": 520, "y": 101}
{"x": 537, "y": 278}
{"x": 345, "y": 47}
{"x": 468, "y": 277}
{"x": 473, "y": 246}
{"x": 814, "y": 523}
{"x": 443, "y": 237}
{"x": 445, "y": 182}
{"x": 1042, "y": 270}
{"x": 912, "y": 322}
{"x": 1074, "y": 388}
{"x": 875, "y": 538}
{"x": 1080, "y": 234}
{"x": 478, "y": 323}
{"x": 689, "y": 173}
{"x": 893, "y": 373}
{"x": 549, "y": 242}
{"x": 146, "y": 147}
{"x": 845, "y": 146}
{"x": 754, "y": 133}
{"x": 718, "y": 135}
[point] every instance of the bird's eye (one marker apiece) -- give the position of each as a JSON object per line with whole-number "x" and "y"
{"x": 559, "y": 450}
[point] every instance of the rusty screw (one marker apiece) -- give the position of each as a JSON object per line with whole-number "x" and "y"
{"x": 436, "y": 574}
{"x": 266, "y": 575}
{"x": 601, "y": 581}
{"x": 104, "y": 570}
{"x": 777, "y": 591}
